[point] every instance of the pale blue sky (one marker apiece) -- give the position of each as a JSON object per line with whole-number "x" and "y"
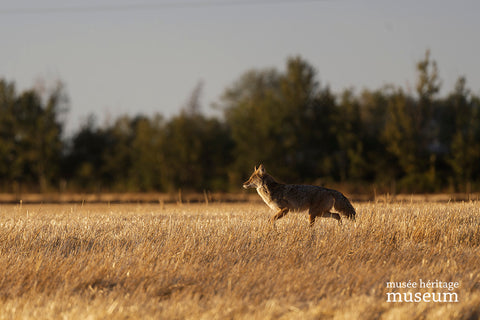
{"x": 148, "y": 59}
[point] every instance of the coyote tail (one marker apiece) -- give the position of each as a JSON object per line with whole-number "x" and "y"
{"x": 342, "y": 205}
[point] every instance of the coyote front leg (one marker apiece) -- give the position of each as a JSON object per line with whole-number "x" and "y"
{"x": 280, "y": 213}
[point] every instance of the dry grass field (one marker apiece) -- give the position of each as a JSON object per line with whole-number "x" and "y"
{"x": 224, "y": 261}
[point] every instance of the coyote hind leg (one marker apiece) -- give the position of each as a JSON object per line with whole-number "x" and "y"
{"x": 333, "y": 215}
{"x": 327, "y": 214}
{"x": 322, "y": 209}
{"x": 279, "y": 214}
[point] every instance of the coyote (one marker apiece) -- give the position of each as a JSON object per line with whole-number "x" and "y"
{"x": 291, "y": 197}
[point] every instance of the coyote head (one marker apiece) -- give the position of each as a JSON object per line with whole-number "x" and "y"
{"x": 256, "y": 179}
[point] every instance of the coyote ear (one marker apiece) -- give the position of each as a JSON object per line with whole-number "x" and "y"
{"x": 261, "y": 168}
{"x": 254, "y": 168}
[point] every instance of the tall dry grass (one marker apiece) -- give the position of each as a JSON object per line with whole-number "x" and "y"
{"x": 226, "y": 262}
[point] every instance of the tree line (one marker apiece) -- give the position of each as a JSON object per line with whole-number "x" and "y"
{"x": 395, "y": 139}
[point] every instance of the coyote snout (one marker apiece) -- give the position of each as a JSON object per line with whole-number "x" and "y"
{"x": 290, "y": 197}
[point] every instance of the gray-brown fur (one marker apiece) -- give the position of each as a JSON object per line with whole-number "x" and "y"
{"x": 291, "y": 197}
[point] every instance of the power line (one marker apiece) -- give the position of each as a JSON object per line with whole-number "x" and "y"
{"x": 151, "y": 6}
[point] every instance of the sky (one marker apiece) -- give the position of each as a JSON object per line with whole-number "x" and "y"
{"x": 119, "y": 57}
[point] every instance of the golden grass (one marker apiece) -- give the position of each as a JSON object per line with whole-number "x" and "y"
{"x": 226, "y": 262}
